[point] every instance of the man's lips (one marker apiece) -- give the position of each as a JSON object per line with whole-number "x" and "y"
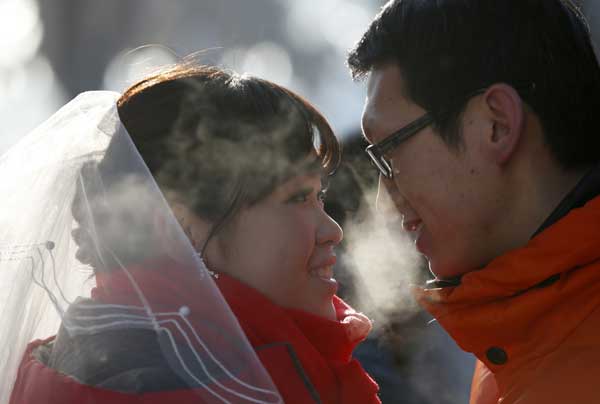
{"x": 411, "y": 225}
{"x": 414, "y": 229}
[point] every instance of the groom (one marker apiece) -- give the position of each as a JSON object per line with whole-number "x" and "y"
{"x": 481, "y": 119}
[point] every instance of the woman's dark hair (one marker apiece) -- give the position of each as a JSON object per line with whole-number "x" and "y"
{"x": 447, "y": 49}
{"x": 219, "y": 140}
{"x": 204, "y": 131}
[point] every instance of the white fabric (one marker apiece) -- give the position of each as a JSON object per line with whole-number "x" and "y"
{"x": 40, "y": 275}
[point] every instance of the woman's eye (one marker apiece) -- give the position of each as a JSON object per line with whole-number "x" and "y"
{"x": 300, "y": 197}
{"x": 306, "y": 195}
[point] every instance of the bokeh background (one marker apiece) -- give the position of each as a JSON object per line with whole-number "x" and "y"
{"x": 51, "y": 50}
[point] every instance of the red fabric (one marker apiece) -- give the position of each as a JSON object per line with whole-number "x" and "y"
{"x": 37, "y": 383}
{"x": 283, "y": 340}
{"x": 323, "y": 347}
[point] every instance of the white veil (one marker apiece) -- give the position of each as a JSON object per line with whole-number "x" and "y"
{"x": 90, "y": 250}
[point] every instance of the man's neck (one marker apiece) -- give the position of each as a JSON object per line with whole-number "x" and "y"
{"x": 538, "y": 184}
{"x": 586, "y": 188}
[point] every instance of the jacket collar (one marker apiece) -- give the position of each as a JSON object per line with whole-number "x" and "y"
{"x": 500, "y": 306}
{"x": 168, "y": 286}
{"x": 335, "y": 340}
{"x": 586, "y": 189}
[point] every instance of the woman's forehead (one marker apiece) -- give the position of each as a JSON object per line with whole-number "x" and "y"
{"x": 305, "y": 174}
{"x": 303, "y": 179}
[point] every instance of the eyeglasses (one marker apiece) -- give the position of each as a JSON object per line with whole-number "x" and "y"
{"x": 376, "y": 151}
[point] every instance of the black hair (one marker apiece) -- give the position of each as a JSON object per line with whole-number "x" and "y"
{"x": 206, "y": 131}
{"x": 447, "y": 49}
{"x": 216, "y": 139}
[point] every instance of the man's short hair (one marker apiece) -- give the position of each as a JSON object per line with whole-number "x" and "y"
{"x": 447, "y": 49}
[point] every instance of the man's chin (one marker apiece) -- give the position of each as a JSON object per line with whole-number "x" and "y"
{"x": 445, "y": 273}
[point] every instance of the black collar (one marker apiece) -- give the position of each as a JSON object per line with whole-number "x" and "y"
{"x": 586, "y": 189}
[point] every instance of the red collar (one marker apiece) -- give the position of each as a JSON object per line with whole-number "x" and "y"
{"x": 168, "y": 286}
{"x": 335, "y": 340}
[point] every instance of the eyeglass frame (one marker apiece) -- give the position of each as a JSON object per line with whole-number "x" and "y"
{"x": 376, "y": 151}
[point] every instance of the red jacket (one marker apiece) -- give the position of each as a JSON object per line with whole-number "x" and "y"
{"x": 308, "y": 358}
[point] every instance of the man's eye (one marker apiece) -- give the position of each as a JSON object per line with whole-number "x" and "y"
{"x": 321, "y": 195}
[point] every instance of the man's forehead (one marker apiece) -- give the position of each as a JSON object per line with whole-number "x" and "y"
{"x": 369, "y": 116}
{"x": 384, "y": 81}
{"x": 385, "y": 96}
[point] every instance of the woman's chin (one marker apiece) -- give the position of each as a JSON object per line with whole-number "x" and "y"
{"x": 324, "y": 308}
{"x": 327, "y": 311}
{"x": 323, "y": 280}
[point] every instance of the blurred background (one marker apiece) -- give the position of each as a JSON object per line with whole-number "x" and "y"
{"x": 51, "y": 50}
{"x": 54, "y": 49}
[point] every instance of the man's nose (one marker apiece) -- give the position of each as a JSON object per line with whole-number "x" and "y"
{"x": 388, "y": 197}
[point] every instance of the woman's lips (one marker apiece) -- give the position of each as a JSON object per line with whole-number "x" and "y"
{"x": 329, "y": 261}
{"x": 324, "y": 276}
{"x": 324, "y": 269}
{"x": 325, "y": 273}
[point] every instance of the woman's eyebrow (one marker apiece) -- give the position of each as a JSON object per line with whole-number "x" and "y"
{"x": 297, "y": 185}
{"x": 312, "y": 166}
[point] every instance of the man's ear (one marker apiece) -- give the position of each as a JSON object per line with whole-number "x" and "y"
{"x": 506, "y": 113}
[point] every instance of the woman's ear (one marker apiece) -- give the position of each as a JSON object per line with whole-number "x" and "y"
{"x": 195, "y": 228}
{"x": 506, "y": 115}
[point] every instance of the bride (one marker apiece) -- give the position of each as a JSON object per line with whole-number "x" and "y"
{"x": 172, "y": 242}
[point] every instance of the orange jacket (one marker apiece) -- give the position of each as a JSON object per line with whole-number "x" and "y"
{"x": 536, "y": 344}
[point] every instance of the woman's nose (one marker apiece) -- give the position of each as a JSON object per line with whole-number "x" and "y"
{"x": 329, "y": 231}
